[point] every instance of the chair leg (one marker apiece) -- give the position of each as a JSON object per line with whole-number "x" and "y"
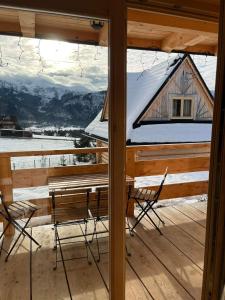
{"x": 96, "y": 236}
{"x": 158, "y": 216}
{"x": 86, "y": 242}
{"x": 128, "y": 252}
{"x": 55, "y": 248}
{"x": 154, "y": 224}
{"x": 22, "y": 232}
{"x": 64, "y": 266}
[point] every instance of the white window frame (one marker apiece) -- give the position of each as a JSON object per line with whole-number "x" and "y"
{"x": 182, "y": 108}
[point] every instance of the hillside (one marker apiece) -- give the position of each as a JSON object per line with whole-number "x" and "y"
{"x": 49, "y": 105}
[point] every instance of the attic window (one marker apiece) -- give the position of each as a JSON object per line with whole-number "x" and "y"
{"x": 182, "y": 108}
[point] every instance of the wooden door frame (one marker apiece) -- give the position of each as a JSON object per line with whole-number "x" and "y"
{"x": 115, "y": 12}
{"x": 214, "y": 266}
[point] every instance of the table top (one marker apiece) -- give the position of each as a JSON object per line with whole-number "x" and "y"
{"x": 81, "y": 181}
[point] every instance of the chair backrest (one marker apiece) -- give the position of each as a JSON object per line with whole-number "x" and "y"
{"x": 70, "y": 204}
{"x": 98, "y": 205}
{"x": 161, "y": 185}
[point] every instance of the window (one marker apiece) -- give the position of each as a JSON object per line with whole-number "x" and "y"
{"x": 182, "y": 108}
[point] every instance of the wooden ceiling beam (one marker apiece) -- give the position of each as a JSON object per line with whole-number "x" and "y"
{"x": 173, "y": 23}
{"x": 195, "y": 9}
{"x": 134, "y": 42}
{"x": 103, "y": 35}
{"x": 27, "y": 24}
{"x": 69, "y": 35}
{"x": 177, "y": 41}
{"x": 93, "y": 8}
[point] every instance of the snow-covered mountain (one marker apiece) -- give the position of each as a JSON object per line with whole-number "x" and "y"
{"x": 39, "y": 102}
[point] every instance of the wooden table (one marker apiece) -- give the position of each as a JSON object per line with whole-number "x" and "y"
{"x": 58, "y": 184}
{"x": 81, "y": 181}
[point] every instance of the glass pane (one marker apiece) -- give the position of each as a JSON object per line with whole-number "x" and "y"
{"x": 176, "y": 107}
{"x": 187, "y": 108}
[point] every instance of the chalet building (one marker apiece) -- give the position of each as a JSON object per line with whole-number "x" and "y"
{"x": 170, "y": 103}
{"x": 8, "y": 122}
{"x": 9, "y": 127}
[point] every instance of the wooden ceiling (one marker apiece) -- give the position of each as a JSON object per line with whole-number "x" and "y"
{"x": 146, "y": 30}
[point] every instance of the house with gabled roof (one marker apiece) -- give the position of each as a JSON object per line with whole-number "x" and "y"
{"x": 170, "y": 103}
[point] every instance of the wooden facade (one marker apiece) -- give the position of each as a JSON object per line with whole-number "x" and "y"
{"x": 184, "y": 83}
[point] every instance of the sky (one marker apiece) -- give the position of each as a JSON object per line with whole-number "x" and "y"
{"x": 70, "y": 64}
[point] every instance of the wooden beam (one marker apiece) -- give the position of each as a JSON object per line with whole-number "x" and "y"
{"x": 173, "y": 23}
{"x": 93, "y": 8}
{"x": 6, "y": 186}
{"x": 104, "y": 35}
{"x": 38, "y": 177}
{"x": 181, "y": 189}
{"x": 198, "y": 9}
{"x": 214, "y": 270}
{"x": 27, "y": 24}
{"x": 47, "y": 32}
{"x": 178, "y": 41}
{"x": 175, "y": 165}
{"x": 117, "y": 148}
{"x": 134, "y": 42}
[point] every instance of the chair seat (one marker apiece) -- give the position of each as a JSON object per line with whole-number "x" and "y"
{"x": 143, "y": 194}
{"x": 21, "y": 209}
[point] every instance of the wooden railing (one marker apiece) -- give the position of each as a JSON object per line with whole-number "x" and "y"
{"x": 141, "y": 161}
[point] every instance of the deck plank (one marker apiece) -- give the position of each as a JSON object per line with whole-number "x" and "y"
{"x": 154, "y": 275}
{"x": 15, "y": 274}
{"x": 134, "y": 287}
{"x": 160, "y": 267}
{"x": 193, "y": 213}
{"x": 184, "y": 242}
{"x": 202, "y": 206}
{"x": 185, "y": 223}
{"x": 184, "y": 270}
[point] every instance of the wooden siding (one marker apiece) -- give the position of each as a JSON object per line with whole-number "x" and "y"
{"x": 184, "y": 83}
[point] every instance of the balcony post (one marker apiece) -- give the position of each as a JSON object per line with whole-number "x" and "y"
{"x": 117, "y": 147}
{"x": 214, "y": 265}
{"x": 6, "y": 186}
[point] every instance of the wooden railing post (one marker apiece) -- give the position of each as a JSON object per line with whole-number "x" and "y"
{"x": 6, "y": 186}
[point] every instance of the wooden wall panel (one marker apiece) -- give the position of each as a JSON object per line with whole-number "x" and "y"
{"x": 175, "y": 165}
{"x": 38, "y": 177}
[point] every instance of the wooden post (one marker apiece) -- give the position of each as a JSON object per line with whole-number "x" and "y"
{"x": 117, "y": 147}
{"x": 6, "y": 185}
{"x": 214, "y": 269}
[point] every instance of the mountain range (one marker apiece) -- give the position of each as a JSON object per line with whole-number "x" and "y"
{"x": 46, "y": 104}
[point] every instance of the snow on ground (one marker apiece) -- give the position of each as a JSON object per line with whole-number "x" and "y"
{"x": 13, "y": 144}
{"x": 53, "y": 137}
{"x": 145, "y": 181}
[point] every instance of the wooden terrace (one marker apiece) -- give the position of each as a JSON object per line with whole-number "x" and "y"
{"x": 160, "y": 267}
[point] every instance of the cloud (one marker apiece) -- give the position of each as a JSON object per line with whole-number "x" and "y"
{"x": 70, "y": 64}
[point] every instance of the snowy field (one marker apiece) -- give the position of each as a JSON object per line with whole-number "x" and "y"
{"x": 43, "y": 143}
{"x": 51, "y": 144}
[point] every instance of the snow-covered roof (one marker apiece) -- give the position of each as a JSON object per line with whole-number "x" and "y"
{"x": 138, "y": 92}
{"x": 138, "y": 96}
{"x": 171, "y": 133}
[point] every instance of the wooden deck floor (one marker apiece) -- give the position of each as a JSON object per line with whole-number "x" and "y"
{"x": 160, "y": 267}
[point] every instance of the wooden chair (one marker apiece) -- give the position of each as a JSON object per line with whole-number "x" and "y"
{"x": 98, "y": 212}
{"x": 18, "y": 211}
{"x": 70, "y": 207}
{"x": 150, "y": 198}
